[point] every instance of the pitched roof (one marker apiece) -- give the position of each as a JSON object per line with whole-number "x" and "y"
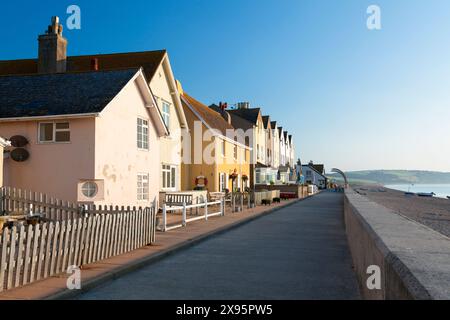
{"x": 266, "y": 121}
{"x": 239, "y": 122}
{"x": 314, "y": 169}
{"x": 280, "y": 132}
{"x": 212, "y": 118}
{"x": 285, "y": 133}
{"x": 60, "y": 94}
{"x": 273, "y": 124}
{"x": 250, "y": 114}
{"x": 318, "y": 167}
{"x": 148, "y": 60}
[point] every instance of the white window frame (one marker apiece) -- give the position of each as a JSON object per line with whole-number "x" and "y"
{"x": 168, "y": 169}
{"x": 142, "y": 144}
{"x": 143, "y": 186}
{"x": 223, "y": 144}
{"x": 165, "y": 113}
{"x": 222, "y": 182}
{"x": 53, "y": 123}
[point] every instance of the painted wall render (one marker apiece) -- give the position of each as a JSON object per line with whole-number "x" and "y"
{"x": 52, "y": 168}
{"x": 171, "y": 145}
{"x": 101, "y": 148}
{"x": 118, "y": 160}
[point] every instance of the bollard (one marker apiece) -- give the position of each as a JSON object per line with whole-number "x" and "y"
{"x": 222, "y": 206}
{"x": 184, "y": 214}
{"x": 242, "y": 202}
{"x": 206, "y": 209}
{"x": 164, "y": 218}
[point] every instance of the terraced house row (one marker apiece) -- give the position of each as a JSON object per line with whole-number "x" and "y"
{"x": 119, "y": 129}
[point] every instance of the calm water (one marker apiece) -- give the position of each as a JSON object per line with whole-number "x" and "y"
{"x": 441, "y": 190}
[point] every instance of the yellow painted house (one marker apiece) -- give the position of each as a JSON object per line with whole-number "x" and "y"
{"x": 210, "y": 158}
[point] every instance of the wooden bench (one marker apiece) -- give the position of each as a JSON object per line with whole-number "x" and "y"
{"x": 216, "y": 196}
{"x": 177, "y": 199}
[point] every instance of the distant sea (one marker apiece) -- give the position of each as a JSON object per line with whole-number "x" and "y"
{"x": 441, "y": 190}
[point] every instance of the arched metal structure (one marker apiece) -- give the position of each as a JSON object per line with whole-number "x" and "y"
{"x": 342, "y": 174}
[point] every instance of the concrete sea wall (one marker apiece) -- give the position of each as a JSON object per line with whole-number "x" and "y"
{"x": 414, "y": 260}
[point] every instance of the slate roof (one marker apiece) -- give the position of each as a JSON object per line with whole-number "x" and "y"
{"x": 280, "y": 132}
{"x": 239, "y": 122}
{"x": 211, "y": 117}
{"x": 61, "y": 93}
{"x": 148, "y": 60}
{"x": 250, "y": 114}
{"x": 273, "y": 124}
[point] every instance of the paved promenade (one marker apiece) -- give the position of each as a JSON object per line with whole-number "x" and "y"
{"x": 298, "y": 252}
{"x": 114, "y": 267}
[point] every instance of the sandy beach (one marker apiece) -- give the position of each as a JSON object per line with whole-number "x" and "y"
{"x": 432, "y": 212}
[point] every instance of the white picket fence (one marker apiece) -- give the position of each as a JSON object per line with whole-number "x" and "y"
{"x": 37, "y": 252}
{"x": 14, "y": 201}
{"x": 184, "y": 208}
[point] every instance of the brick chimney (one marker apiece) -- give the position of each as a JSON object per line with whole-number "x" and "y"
{"x": 52, "y": 49}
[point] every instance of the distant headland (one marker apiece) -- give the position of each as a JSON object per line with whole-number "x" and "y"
{"x": 386, "y": 177}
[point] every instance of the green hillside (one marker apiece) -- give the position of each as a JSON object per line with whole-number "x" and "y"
{"x": 395, "y": 177}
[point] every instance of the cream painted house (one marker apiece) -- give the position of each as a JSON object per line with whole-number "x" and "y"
{"x": 156, "y": 69}
{"x": 275, "y": 145}
{"x": 251, "y": 119}
{"x": 3, "y": 144}
{"x": 92, "y": 137}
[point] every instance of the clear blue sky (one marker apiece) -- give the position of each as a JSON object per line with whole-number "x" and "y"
{"x": 353, "y": 98}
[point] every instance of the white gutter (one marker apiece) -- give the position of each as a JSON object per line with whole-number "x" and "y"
{"x": 54, "y": 117}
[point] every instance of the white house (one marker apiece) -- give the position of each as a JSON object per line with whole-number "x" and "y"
{"x": 282, "y": 147}
{"x": 275, "y": 144}
{"x": 96, "y": 142}
{"x": 156, "y": 70}
{"x": 313, "y": 176}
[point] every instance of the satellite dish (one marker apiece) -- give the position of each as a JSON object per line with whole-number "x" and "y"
{"x": 18, "y": 141}
{"x": 19, "y": 155}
